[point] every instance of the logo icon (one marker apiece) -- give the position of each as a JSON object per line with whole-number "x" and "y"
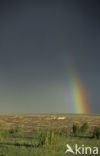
{"x": 69, "y": 149}
{"x": 81, "y": 150}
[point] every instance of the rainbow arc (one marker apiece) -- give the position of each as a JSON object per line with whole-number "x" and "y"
{"x": 79, "y": 96}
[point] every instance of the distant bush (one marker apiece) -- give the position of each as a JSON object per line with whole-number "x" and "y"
{"x": 75, "y": 129}
{"x": 84, "y": 128}
{"x": 79, "y": 130}
{"x": 96, "y": 132}
{"x": 15, "y": 131}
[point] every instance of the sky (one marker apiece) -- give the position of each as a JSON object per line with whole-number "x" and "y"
{"x": 41, "y": 43}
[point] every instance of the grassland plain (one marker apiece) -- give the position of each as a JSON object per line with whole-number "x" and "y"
{"x": 53, "y": 150}
{"x": 30, "y": 122}
{"x": 45, "y": 134}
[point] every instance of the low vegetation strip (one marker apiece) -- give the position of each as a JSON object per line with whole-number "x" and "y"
{"x": 46, "y": 141}
{"x": 31, "y": 122}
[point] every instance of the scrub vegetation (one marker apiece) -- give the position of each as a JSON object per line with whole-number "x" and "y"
{"x": 49, "y": 140}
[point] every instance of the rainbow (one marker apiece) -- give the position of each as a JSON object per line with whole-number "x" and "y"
{"x": 79, "y": 95}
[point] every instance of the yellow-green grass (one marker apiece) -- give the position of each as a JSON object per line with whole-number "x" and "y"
{"x": 30, "y": 122}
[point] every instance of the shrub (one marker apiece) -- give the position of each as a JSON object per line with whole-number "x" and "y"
{"x": 41, "y": 136}
{"x": 75, "y": 129}
{"x": 15, "y": 131}
{"x": 84, "y": 128}
{"x": 46, "y": 137}
{"x": 96, "y": 132}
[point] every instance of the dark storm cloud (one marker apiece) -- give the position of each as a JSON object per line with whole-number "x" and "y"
{"x": 39, "y": 42}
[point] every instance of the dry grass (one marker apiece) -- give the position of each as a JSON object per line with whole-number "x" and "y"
{"x": 30, "y": 122}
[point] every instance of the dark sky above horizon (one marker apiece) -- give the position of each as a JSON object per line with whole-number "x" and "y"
{"x": 40, "y": 42}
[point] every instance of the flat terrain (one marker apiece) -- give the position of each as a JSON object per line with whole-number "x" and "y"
{"x": 47, "y": 134}
{"x": 30, "y": 122}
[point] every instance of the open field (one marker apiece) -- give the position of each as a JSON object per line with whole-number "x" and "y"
{"x": 30, "y": 122}
{"x": 47, "y": 135}
{"x": 52, "y": 150}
